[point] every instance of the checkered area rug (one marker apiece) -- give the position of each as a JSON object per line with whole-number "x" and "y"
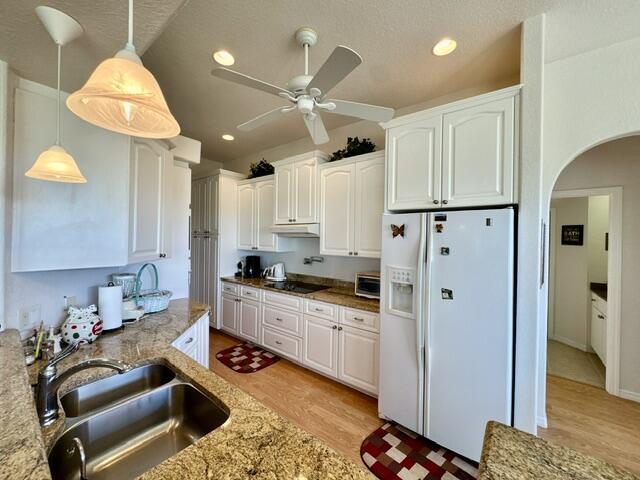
{"x": 246, "y": 358}
{"x": 393, "y": 452}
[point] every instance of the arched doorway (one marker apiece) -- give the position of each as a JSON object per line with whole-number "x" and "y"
{"x": 596, "y": 421}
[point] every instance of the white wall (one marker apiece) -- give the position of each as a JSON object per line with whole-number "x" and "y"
{"x": 596, "y": 234}
{"x": 617, "y": 163}
{"x": 205, "y": 168}
{"x": 571, "y": 276}
{"x": 341, "y": 268}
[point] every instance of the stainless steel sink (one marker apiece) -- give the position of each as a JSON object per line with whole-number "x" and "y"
{"x": 99, "y": 394}
{"x": 129, "y": 438}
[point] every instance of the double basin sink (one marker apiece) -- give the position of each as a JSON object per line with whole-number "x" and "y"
{"x": 121, "y": 426}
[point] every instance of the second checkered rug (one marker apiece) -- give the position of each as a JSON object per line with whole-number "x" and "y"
{"x": 246, "y": 358}
{"x": 395, "y": 453}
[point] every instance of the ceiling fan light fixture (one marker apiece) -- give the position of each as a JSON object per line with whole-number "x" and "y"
{"x": 444, "y": 47}
{"x": 121, "y": 95}
{"x": 224, "y": 58}
{"x": 228, "y": 138}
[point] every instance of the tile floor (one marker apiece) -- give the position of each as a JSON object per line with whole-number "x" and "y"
{"x": 568, "y": 362}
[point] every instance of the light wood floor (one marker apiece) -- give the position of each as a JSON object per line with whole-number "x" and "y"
{"x": 580, "y": 416}
{"x": 588, "y": 419}
{"x": 339, "y": 415}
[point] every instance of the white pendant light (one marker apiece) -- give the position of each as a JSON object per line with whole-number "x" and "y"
{"x": 55, "y": 164}
{"x": 123, "y": 96}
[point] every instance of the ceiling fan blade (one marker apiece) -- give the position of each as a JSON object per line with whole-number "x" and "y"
{"x": 262, "y": 119}
{"x": 316, "y": 128}
{"x": 248, "y": 81}
{"x": 360, "y": 110}
{"x": 339, "y": 64}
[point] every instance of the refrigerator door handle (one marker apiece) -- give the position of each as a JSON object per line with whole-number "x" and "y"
{"x": 419, "y": 288}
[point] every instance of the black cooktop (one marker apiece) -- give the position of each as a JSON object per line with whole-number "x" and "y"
{"x": 297, "y": 287}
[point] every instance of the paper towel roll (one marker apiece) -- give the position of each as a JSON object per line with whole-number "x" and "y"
{"x": 110, "y": 306}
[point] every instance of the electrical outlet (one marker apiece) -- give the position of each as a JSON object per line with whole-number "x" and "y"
{"x": 29, "y": 317}
{"x": 69, "y": 301}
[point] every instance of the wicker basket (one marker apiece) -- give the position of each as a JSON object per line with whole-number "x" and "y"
{"x": 152, "y": 300}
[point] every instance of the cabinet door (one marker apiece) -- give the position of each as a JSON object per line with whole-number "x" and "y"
{"x": 249, "y": 320}
{"x": 197, "y": 207}
{"x": 478, "y": 155}
{"x": 212, "y": 204}
{"x": 358, "y": 354}
{"x": 246, "y": 217}
{"x": 305, "y": 196}
{"x": 369, "y": 206}
{"x": 229, "y": 314}
{"x": 207, "y": 220}
{"x": 265, "y": 202}
{"x": 208, "y": 248}
{"x": 195, "y": 276}
{"x": 599, "y": 334}
{"x": 320, "y": 350}
{"x": 149, "y": 222}
{"x": 337, "y": 209}
{"x": 414, "y": 155}
{"x": 284, "y": 194}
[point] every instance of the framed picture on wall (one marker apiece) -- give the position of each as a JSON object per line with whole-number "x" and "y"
{"x": 572, "y": 235}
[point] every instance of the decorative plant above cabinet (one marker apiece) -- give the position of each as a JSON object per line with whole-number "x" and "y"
{"x": 354, "y": 147}
{"x": 260, "y": 169}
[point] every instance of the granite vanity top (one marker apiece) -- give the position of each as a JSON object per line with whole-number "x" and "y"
{"x": 599, "y": 289}
{"x": 255, "y": 442}
{"x": 339, "y": 292}
{"x": 510, "y": 454}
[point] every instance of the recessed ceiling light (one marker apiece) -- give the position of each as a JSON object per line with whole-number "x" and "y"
{"x": 224, "y": 58}
{"x": 228, "y": 137}
{"x": 444, "y": 47}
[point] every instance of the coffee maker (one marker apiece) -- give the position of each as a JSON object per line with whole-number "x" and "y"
{"x": 252, "y": 266}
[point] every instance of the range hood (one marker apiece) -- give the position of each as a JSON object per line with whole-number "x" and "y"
{"x": 307, "y": 230}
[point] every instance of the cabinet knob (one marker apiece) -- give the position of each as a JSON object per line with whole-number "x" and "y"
{"x": 593, "y": 299}
{"x": 278, "y": 319}
{"x": 162, "y": 255}
{"x": 445, "y": 202}
{"x": 350, "y": 253}
{"x": 339, "y": 328}
{"x": 278, "y": 342}
{"x": 358, "y": 319}
{"x": 435, "y": 202}
{"x": 355, "y": 253}
{"x": 601, "y": 317}
{"x": 334, "y": 327}
{"x": 189, "y": 340}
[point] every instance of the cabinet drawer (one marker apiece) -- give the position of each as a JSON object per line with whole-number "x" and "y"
{"x": 187, "y": 341}
{"x": 321, "y": 309}
{"x": 282, "y": 343}
{"x": 250, "y": 292}
{"x": 599, "y": 303}
{"x": 360, "y": 319}
{"x": 289, "y": 302}
{"x": 282, "y": 319}
{"x": 230, "y": 288}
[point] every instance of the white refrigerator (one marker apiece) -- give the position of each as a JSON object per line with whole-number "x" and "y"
{"x": 447, "y": 324}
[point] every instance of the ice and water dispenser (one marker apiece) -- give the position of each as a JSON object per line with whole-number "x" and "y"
{"x": 401, "y": 285}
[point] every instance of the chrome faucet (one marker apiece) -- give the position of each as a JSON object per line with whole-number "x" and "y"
{"x": 49, "y": 381}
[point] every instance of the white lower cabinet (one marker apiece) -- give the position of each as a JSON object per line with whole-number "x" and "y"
{"x": 194, "y": 342}
{"x": 358, "y": 358}
{"x": 321, "y": 345}
{"x": 230, "y": 314}
{"x": 599, "y": 327}
{"x": 249, "y": 320}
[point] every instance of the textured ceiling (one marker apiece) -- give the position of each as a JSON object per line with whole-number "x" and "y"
{"x": 393, "y": 37}
{"x": 29, "y": 50}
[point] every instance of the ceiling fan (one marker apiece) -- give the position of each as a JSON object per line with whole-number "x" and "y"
{"x": 308, "y": 93}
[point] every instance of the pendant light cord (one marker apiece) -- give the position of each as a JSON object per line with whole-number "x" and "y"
{"x": 58, "y": 99}
{"x": 130, "y": 45}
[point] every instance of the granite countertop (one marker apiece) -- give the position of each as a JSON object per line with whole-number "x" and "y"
{"x": 255, "y": 442}
{"x": 510, "y": 454}
{"x": 338, "y": 293}
{"x": 599, "y": 289}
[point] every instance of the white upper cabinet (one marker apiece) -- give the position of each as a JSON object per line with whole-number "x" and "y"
{"x": 149, "y": 219}
{"x": 284, "y": 194}
{"x": 246, "y": 216}
{"x": 414, "y": 152}
{"x": 265, "y": 203}
{"x": 256, "y": 204}
{"x": 296, "y": 196}
{"x": 478, "y": 155}
{"x": 337, "y": 188}
{"x": 351, "y": 206}
{"x": 369, "y": 206}
{"x": 457, "y": 155}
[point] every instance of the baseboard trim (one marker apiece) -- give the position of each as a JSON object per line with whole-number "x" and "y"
{"x": 571, "y": 343}
{"x": 629, "y": 395}
{"x": 541, "y": 421}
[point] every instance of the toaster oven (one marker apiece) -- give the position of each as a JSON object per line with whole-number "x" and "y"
{"x": 368, "y": 285}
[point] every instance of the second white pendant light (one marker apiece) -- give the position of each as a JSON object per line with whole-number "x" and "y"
{"x": 123, "y": 96}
